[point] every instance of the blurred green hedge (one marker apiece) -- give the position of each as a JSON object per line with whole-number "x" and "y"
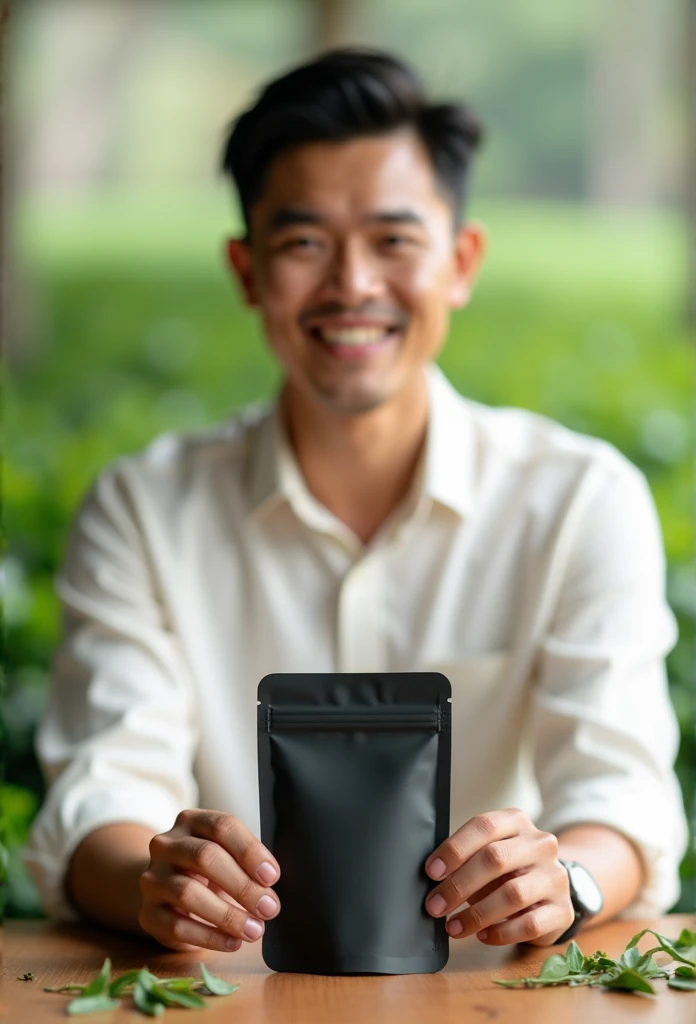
{"x": 128, "y": 326}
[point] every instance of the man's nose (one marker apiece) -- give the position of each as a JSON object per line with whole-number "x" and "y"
{"x": 353, "y": 275}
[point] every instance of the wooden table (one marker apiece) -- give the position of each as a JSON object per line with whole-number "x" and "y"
{"x": 462, "y": 992}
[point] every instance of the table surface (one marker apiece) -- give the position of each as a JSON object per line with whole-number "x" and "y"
{"x": 463, "y": 991}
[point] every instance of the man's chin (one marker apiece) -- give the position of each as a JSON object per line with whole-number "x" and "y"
{"x": 353, "y": 402}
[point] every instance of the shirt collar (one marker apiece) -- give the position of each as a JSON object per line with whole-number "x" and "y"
{"x": 450, "y": 451}
{"x": 446, "y": 473}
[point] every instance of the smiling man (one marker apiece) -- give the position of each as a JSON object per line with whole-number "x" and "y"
{"x": 368, "y": 519}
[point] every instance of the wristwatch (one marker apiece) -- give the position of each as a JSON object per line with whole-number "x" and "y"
{"x": 585, "y": 895}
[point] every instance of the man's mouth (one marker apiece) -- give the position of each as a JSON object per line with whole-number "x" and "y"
{"x": 353, "y": 341}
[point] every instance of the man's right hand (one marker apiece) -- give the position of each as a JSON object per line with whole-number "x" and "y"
{"x": 207, "y": 884}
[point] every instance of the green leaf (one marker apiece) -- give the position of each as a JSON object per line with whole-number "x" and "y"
{"x": 601, "y": 979}
{"x": 630, "y": 957}
{"x": 649, "y": 968}
{"x": 216, "y": 986}
{"x": 91, "y": 1004}
{"x": 630, "y": 981}
{"x": 574, "y": 958}
{"x": 171, "y": 997}
{"x": 143, "y": 1000}
{"x": 666, "y": 945}
{"x": 100, "y": 985}
{"x": 686, "y": 938}
{"x": 120, "y": 984}
{"x": 554, "y": 968}
{"x": 685, "y": 984}
{"x": 180, "y": 984}
{"x": 685, "y": 972}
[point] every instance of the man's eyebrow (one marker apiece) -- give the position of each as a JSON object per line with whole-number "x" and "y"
{"x": 289, "y": 216}
{"x": 396, "y": 217}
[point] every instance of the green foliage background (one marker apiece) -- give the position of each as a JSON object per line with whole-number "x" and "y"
{"x": 127, "y": 325}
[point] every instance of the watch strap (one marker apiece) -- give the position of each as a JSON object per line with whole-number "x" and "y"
{"x": 573, "y": 930}
{"x": 582, "y": 914}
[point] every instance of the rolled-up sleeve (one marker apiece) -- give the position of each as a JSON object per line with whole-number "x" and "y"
{"x": 605, "y": 732}
{"x": 117, "y": 740}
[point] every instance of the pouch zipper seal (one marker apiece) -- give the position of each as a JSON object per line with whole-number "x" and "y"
{"x": 368, "y": 717}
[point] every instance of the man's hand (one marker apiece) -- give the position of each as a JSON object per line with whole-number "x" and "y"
{"x": 509, "y": 873}
{"x": 207, "y": 884}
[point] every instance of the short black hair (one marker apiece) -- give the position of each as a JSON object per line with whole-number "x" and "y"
{"x": 343, "y": 94}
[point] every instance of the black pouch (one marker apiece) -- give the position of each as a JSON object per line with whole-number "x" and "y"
{"x": 354, "y": 789}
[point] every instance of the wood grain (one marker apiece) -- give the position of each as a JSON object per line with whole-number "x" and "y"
{"x": 462, "y": 992}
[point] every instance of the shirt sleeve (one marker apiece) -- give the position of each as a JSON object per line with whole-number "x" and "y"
{"x": 605, "y": 734}
{"x": 117, "y": 740}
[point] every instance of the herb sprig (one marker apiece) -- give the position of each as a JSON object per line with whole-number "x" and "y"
{"x": 150, "y": 994}
{"x": 631, "y": 972}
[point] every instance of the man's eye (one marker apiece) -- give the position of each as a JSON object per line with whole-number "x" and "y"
{"x": 397, "y": 241}
{"x": 301, "y": 243}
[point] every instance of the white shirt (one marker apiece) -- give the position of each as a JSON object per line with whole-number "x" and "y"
{"x": 526, "y": 565}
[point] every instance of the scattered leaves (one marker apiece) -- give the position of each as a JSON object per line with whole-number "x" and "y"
{"x": 632, "y": 971}
{"x": 151, "y": 995}
{"x": 216, "y": 986}
{"x": 91, "y": 1004}
{"x": 684, "y": 978}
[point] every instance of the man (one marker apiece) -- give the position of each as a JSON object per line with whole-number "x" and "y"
{"x": 369, "y": 520}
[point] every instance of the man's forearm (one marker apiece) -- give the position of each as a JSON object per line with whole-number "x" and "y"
{"x": 611, "y": 859}
{"x": 103, "y": 879}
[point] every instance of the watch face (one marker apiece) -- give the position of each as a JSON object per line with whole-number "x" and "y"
{"x": 588, "y": 892}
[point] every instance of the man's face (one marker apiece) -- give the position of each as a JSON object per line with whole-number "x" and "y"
{"x": 354, "y": 265}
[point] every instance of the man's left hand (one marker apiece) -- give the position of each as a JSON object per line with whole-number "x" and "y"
{"x": 509, "y": 873}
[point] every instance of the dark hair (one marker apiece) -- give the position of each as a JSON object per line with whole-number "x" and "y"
{"x": 343, "y": 94}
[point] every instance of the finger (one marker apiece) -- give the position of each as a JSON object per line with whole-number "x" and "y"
{"x": 477, "y": 896}
{"x": 472, "y": 837}
{"x": 233, "y": 836}
{"x": 188, "y": 895}
{"x": 503, "y": 857}
{"x": 512, "y": 897}
{"x": 543, "y": 920}
{"x": 176, "y": 931}
{"x": 203, "y": 857}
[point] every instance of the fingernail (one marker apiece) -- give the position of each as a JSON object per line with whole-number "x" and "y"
{"x": 252, "y": 929}
{"x": 266, "y": 906}
{"x": 437, "y": 869}
{"x": 437, "y": 904}
{"x": 266, "y": 873}
{"x": 455, "y": 926}
{"x": 233, "y": 944}
{"x": 482, "y": 935}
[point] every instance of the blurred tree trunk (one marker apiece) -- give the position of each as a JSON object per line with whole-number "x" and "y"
{"x": 628, "y": 64}
{"x": 4, "y": 15}
{"x": 690, "y": 161}
{"x": 335, "y": 23}
{"x": 73, "y": 142}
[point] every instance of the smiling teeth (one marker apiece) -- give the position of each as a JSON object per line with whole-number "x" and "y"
{"x": 353, "y": 335}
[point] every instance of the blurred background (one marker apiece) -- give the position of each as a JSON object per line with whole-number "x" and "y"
{"x": 122, "y": 322}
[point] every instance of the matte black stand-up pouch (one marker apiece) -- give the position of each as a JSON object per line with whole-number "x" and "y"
{"x": 354, "y": 783}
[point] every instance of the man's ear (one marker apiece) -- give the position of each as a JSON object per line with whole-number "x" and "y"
{"x": 469, "y": 249}
{"x": 238, "y": 253}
